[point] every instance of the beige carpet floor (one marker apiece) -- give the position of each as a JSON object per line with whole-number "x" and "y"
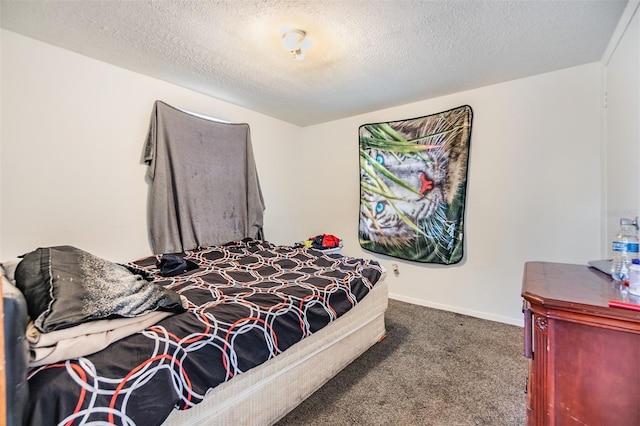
{"x": 435, "y": 368}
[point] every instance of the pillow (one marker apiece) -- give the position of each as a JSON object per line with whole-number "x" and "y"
{"x": 65, "y": 286}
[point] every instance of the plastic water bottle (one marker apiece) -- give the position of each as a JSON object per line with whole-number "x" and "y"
{"x": 625, "y": 249}
{"x": 634, "y": 277}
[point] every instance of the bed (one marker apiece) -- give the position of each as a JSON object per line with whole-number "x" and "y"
{"x": 246, "y": 334}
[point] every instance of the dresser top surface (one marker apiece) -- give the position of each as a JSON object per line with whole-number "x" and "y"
{"x": 569, "y": 286}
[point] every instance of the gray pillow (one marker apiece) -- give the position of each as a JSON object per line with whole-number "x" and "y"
{"x": 65, "y": 286}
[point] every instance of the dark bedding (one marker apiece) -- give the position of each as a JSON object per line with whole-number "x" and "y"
{"x": 248, "y": 301}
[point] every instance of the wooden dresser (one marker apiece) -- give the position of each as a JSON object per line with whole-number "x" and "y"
{"x": 584, "y": 357}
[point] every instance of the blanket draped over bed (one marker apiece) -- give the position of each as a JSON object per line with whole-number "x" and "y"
{"x": 248, "y": 301}
{"x": 204, "y": 183}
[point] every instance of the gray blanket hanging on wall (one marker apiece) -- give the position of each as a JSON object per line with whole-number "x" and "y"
{"x": 204, "y": 183}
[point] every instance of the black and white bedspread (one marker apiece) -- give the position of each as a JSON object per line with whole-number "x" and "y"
{"x": 248, "y": 301}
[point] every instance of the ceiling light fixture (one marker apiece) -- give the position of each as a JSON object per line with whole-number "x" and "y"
{"x": 296, "y": 42}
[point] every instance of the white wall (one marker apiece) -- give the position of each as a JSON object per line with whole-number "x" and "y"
{"x": 533, "y": 188}
{"x": 73, "y": 130}
{"x": 72, "y": 135}
{"x": 621, "y": 154}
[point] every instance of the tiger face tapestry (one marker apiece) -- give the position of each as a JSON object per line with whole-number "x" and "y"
{"x": 413, "y": 182}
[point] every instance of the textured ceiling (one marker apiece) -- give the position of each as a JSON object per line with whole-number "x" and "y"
{"x": 367, "y": 55}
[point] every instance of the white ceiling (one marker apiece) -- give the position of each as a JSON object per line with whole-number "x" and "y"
{"x": 367, "y": 54}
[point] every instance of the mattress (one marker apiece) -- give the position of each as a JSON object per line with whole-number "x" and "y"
{"x": 186, "y": 368}
{"x": 268, "y": 392}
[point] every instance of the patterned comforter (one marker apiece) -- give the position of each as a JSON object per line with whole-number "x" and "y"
{"x": 248, "y": 301}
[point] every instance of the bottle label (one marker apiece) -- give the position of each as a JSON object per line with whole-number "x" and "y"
{"x": 619, "y": 246}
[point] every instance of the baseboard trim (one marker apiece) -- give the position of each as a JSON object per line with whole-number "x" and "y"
{"x": 483, "y": 315}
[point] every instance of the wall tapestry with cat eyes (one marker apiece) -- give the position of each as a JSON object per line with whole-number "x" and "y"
{"x": 413, "y": 182}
